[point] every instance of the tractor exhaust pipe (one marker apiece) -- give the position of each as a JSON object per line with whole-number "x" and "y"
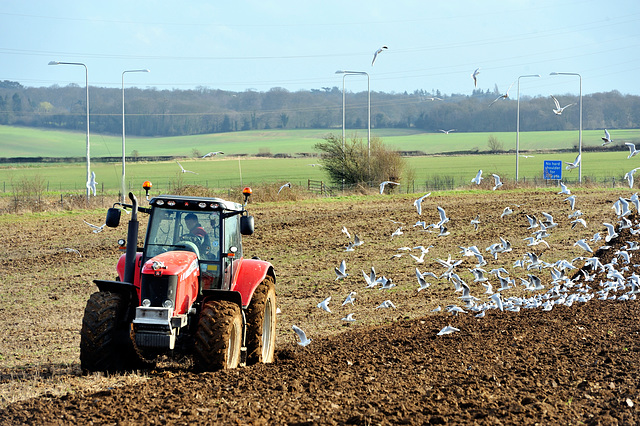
{"x": 132, "y": 242}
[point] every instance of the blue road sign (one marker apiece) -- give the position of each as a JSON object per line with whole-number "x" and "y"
{"x": 552, "y": 170}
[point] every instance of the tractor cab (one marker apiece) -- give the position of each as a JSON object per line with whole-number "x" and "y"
{"x": 211, "y": 228}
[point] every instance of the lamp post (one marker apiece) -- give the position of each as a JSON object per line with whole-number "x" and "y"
{"x": 518, "y": 124}
{"x": 344, "y": 74}
{"x": 122, "y": 197}
{"x": 580, "y": 131}
{"x": 88, "y": 146}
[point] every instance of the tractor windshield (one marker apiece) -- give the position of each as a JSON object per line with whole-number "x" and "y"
{"x": 189, "y": 230}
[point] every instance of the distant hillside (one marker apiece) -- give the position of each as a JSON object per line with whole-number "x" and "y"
{"x": 154, "y": 113}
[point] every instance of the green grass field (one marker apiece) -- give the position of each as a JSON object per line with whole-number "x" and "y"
{"x": 229, "y": 171}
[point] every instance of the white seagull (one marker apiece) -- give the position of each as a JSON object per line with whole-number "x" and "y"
{"x": 91, "y": 183}
{"x": 375, "y": 55}
{"x": 418, "y": 203}
{"x": 447, "y": 330}
{"x": 505, "y": 96}
{"x": 498, "y": 182}
{"x": 304, "y": 341}
{"x": 349, "y": 318}
{"x": 386, "y": 304}
{"x": 583, "y": 245}
{"x": 629, "y": 176}
{"x": 573, "y": 165}
{"x": 341, "y": 271}
{"x": 558, "y": 110}
{"x": 607, "y": 138}
{"x": 475, "y": 77}
{"x": 212, "y": 154}
{"x": 385, "y": 183}
{"x": 632, "y": 149}
{"x": 564, "y": 189}
{"x": 324, "y": 305}
{"x": 446, "y": 132}
{"x": 95, "y": 228}
{"x": 346, "y": 232}
{"x": 478, "y": 178}
{"x": 183, "y": 169}
{"x": 286, "y": 185}
{"x": 351, "y": 297}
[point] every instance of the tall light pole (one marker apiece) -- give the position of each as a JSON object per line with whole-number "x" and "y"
{"x": 122, "y": 198}
{"x": 518, "y": 124}
{"x": 86, "y": 70}
{"x": 580, "y": 131}
{"x": 346, "y": 73}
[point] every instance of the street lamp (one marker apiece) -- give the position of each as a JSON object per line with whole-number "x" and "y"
{"x": 518, "y": 123}
{"x": 88, "y": 149}
{"x": 344, "y": 74}
{"x": 580, "y": 131}
{"x": 122, "y": 198}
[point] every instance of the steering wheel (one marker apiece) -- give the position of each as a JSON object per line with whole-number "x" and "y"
{"x": 189, "y": 246}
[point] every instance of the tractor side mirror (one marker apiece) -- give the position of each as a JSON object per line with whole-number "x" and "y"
{"x": 113, "y": 217}
{"x": 246, "y": 225}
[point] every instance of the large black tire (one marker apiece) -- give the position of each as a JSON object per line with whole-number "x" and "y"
{"x": 261, "y": 323}
{"x": 218, "y": 338}
{"x": 105, "y": 339}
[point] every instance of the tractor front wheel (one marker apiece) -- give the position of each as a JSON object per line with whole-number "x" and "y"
{"x": 261, "y": 323}
{"x": 105, "y": 340}
{"x": 219, "y": 336}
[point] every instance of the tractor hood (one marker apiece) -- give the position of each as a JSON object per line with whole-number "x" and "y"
{"x": 180, "y": 263}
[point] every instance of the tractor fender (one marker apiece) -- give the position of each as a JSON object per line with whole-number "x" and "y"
{"x": 249, "y": 274}
{"x": 127, "y": 291}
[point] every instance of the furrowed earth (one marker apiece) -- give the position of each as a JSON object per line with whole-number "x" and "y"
{"x": 574, "y": 364}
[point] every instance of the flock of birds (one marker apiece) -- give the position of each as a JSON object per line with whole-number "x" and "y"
{"x": 568, "y": 281}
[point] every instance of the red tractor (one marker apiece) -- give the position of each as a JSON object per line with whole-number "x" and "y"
{"x": 187, "y": 291}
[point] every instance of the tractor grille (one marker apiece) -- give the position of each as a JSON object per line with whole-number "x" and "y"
{"x": 158, "y": 289}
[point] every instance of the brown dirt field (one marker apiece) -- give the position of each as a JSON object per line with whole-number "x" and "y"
{"x": 570, "y": 365}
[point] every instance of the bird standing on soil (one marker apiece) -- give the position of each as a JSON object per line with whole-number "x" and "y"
{"x": 304, "y": 341}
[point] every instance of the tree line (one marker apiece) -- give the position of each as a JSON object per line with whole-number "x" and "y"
{"x": 151, "y": 112}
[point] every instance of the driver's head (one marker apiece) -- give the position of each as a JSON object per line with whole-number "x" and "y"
{"x": 191, "y": 220}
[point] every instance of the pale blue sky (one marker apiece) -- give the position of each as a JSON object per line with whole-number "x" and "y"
{"x": 296, "y": 45}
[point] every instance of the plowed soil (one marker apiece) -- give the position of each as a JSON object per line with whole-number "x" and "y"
{"x": 574, "y": 364}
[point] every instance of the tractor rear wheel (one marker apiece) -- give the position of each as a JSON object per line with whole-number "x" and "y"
{"x": 261, "y": 323}
{"x": 105, "y": 340}
{"x": 219, "y": 336}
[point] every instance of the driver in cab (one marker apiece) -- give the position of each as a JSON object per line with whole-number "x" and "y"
{"x": 196, "y": 234}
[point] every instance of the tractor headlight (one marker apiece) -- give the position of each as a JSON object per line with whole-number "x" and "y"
{"x": 146, "y": 303}
{"x": 167, "y": 304}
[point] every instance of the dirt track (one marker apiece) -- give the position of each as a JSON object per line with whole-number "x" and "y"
{"x": 573, "y": 364}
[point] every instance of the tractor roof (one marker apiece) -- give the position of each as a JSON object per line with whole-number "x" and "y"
{"x": 194, "y": 203}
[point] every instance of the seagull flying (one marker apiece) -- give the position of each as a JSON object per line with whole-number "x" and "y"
{"x": 607, "y": 138}
{"x": 632, "y": 149}
{"x": 447, "y": 330}
{"x": 385, "y": 183}
{"x": 91, "y": 183}
{"x": 629, "y": 176}
{"x": 564, "y": 189}
{"x": 558, "y": 109}
{"x": 505, "y": 96}
{"x": 304, "y": 341}
{"x": 573, "y": 165}
{"x": 346, "y": 232}
{"x": 324, "y": 305}
{"x": 349, "y": 318}
{"x": 498, "y": 182}
{"x": 95, "y": 228}
{"x": 350, "y": 298}
{"x": 478, "y": 178}
{"x": 341, "y": 271}
{"x": 418, "y": 203}
{"x": 446, "y": 132}
{"x": 182, "y": 169}
{"x": 375, "y": 55}
{"x": 212, "y": 154}
{"x": 286, "y": 185}
{"x": 475, "y": 77}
